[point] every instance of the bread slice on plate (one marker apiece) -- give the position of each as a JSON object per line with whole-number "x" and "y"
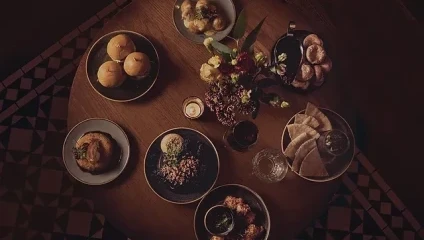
{"x": 296, "y": 129}
{"x": 307, "y": 120}
{"x": 301, "y": 153}
{"x": 312, "y": 165}
{"x": 324, "y": 122}
{"x": 294, "y": 145}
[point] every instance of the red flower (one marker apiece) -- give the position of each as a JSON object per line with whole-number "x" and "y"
{"x": 245, "y": 63}
{"x": 226, "y": 68}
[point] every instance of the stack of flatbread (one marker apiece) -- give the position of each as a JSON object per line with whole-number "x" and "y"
{"x": 302, "y": 149}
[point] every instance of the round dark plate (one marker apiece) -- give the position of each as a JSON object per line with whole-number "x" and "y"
{"x": 337, "y": 166}
{"x": 293, "y": 47}
{"x": 217, "y": 196}
{"x": 195, "y": 190}
{"x": 130, "y": 89}
{"x": 96, "y": 125}
{"x": 225, "y": 6}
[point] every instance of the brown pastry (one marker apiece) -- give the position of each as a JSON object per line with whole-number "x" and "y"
{"x": 315, "y": 54}
{"x": 306, "y": 72}
{"x": 327, "y": 64}
{"x": 120, "y": 46}
{"x": 94, "y": 152}
{"x": 110, "y": 74}
{"x": 137, "y": 64}
{"x": 319, "y": 73}
{"x": 312, "y": 39}
{"x": 299, "y": 84}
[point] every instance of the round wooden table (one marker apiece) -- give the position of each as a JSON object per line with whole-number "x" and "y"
{"x": 128, "y": 202}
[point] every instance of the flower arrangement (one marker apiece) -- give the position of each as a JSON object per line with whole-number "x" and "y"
{"x": 232, "y": 75}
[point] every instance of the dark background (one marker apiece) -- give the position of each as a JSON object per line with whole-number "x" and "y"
{"x": 384, "y": 73}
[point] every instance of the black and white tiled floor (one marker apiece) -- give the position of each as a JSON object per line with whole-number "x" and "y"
{"x": 39, "y": 200}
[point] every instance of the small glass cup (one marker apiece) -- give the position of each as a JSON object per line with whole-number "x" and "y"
{"x": 333, "y": 143}
{"x": 242, "y": 135}
{"x": 270, "y": 165}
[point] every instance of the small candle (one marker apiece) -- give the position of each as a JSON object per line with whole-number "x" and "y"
{"x": 193, "y": 110}
{"x": 193, "y": 107}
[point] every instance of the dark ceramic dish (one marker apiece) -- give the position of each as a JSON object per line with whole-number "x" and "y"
{"x": 198, "y": 145}
{"x": 130, "y": 89}
{"x": 335, "y": 166}
{"x": 217, "y": 197}
{"x": 291, "y": 43}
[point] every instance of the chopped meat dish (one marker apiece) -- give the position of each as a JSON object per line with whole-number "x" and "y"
{"x": 252, "y": 232}
{"x": 179, "y": 173}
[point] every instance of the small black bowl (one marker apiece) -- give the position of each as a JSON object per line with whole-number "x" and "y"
{"x": 216, "y": 214}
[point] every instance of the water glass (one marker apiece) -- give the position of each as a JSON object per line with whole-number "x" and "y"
{"x": 270, "y": 165}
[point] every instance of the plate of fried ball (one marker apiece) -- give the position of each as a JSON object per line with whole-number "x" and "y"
{"x": 122, "y": 66}
{"x": 96, "y": 151}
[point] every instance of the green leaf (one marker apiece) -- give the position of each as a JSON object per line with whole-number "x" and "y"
{"x": 221, "y": 47}
{"x": 251, "y": 38}
{"x": 226, "y": 57}
{"x": 240, "y": 26}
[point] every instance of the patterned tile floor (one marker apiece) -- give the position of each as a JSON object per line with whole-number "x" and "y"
{"x": 40, "y": 201}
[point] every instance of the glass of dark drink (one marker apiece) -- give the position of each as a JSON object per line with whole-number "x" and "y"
{"x": 242, "y": 135}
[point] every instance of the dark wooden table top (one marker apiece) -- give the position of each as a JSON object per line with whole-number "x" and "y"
{"x": 128, "y": 202}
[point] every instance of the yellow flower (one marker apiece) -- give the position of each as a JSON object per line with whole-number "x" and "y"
{"x": 285, "y": 104}
{"x": 282, "y": 57}
{"x": 209, "y": 74}
{"x": 234, "y": 62}
{"x": 208, "y": 44}
{"x": 260, "y": 59}
{"x": 215, "y": 61}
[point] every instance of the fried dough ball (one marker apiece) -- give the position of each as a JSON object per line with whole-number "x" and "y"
{"x": 315, "y": 54}
{"x": 137, "y": 64}
{"x": 312, "y": 39}
{"x": 110, "y": 74}
{"x": 327, "y": 65}
{"x": 202, "y": 4}
{"x": 187, "y": 12}
{"x": 120, "y": 46}
{"x": 219, "y": 23}
{"x": 306, "y": 72}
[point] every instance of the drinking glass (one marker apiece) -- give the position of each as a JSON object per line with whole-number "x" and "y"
{"x": 242, "y": 135}
{"x": 270, "y": 165}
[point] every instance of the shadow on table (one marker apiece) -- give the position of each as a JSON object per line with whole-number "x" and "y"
{"x": 168, "y": 71}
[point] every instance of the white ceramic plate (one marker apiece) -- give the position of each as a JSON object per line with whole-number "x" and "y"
{"x": 95, "y": 125}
